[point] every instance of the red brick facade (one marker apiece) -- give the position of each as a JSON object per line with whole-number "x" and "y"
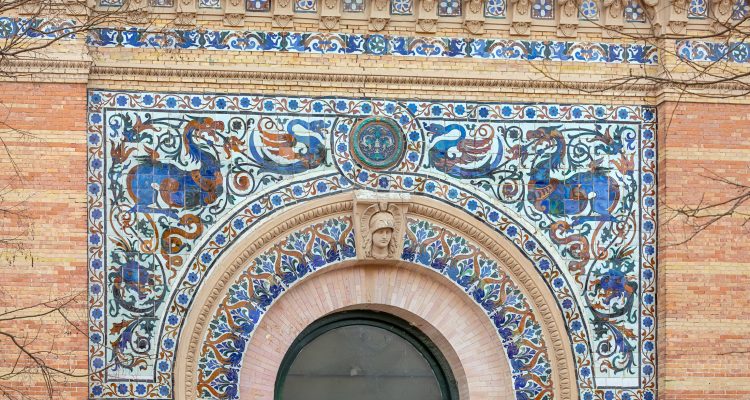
{"x": 45, "y": 258}
{"x": 704, "y": 285}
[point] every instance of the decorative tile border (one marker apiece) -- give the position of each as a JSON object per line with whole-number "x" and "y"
{"x": 705, "y": 51}
{"x": 153, "y": 266}
{"x": 378, "y": 45}
{"x": 37, "y": 28}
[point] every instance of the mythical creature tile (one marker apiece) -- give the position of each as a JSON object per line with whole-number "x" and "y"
{"x": 705, "y": 51}
{"x": 174, "y": 179}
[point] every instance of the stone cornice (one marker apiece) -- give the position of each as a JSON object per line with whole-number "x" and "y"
{"x": 360, "y": 79}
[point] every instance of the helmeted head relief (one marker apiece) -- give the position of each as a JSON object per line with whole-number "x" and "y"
{"x": 382, "y": 220}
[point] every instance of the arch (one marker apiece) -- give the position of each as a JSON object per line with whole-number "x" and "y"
{"x": 376, "y": 330}
{"x": 518, "y": 268}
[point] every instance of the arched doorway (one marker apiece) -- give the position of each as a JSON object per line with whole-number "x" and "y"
{"x": 365, "y": 355}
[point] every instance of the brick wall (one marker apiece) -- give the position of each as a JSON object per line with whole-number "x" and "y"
{"x": 704, "y": 304}
{"x": 704, "y": 284}
{"x": 46, "y": 256}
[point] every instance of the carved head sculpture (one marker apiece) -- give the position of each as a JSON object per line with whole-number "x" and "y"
{"x": 379, "y": 239}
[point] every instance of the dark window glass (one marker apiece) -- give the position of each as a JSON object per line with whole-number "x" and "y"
{"x": 363, "y": 356}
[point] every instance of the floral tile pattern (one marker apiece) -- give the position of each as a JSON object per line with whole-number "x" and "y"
{"x": 379, "y": 45}
{"x": 494, "y": 8}
{"x": 162, "y": 3}
{"x": 402, "y": 7}
{"x": 175, "y": 178}
{"x": 740, "y": 9}
{"x": 332, "y": 241}
{"x": 543, "y": 9}
{"x": 698, "y": 9}
{"x": 588, "y": 10}
{"x": 449, "y": 8}
{"x": 634, "y": 11}
{"x": 209, "y": 3}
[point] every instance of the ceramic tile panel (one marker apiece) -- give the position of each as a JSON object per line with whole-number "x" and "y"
{"x": 175, "y": 178}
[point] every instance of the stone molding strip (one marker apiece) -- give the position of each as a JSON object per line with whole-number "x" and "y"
{"x": 104, "y": 72}
{"x": 564, "y": 374}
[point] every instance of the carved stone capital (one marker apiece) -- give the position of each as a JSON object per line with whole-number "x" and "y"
{"x": 722, "y": 16}
{"x": 567, "y": 24}
{"x": 474, "y": 17}
{"x": 282, "y": 21}
{"x": 475, "y": 27}
{"x": 234, "y": 19}
{"x": 520, "y": 15}
{"x": 520, "y": 27}
{"x": 612, "y": 16}
{"x": 475, "y": 6}
{"x": 185, "y": 19}
{"x": 330, "y": 15}
{"x": 378, "y": 24}
{"x": 329, "y": 22}
{"x": 567, "y": 30}
{"x": 138, "y": 17}
{"x": 78, "y": 9}
{"x": 427, "y": 16}
{"x": 282, "y": 14}
{"x": 426, "y": 25}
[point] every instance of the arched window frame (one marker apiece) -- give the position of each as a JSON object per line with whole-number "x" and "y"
{"x": 421, "y": 342}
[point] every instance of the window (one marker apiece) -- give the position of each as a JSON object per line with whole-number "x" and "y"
{"x": 364, "y": 356}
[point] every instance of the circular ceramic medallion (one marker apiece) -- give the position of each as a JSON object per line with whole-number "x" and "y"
{"x": 377, "y": 143}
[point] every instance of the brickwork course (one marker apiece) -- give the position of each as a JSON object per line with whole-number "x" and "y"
{"x": 703, "y": 301}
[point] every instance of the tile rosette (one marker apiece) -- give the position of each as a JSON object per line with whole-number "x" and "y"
{"x": 377, "y": 143}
